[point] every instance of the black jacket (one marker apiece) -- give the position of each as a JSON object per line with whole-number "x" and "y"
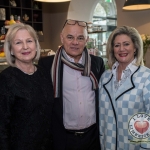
{"x": 59, "y": 132}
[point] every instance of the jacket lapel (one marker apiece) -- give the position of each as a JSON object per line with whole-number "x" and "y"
{"x": 109, "y": 87}
{"x": 125, "y": 87}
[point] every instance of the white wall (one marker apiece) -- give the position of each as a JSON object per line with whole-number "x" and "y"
{"x": 138, "y": 19}
{"x": 54, "y": 16}
{"x": 83, "y": 10}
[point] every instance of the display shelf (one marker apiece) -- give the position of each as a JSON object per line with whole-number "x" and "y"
{"x": 2, "y": 59}
{"x": 29, "y": 7}
{"x": 2, "y": 41}
{"x": 3, "y": 65}
{"x": 96, "y": 32}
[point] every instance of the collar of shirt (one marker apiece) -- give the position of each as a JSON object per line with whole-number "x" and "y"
{"x": 72, "y": 59}
{"x": 131, "y": 67}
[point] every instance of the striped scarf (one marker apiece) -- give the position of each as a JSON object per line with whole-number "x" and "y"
{"x": 85, "y": 70}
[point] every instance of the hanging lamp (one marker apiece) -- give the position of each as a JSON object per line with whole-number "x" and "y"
{"x": 52, "y": 1}
{"x": 136, "y": 4}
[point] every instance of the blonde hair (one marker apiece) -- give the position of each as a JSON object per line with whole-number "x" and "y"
{"x": 11, "y": 34}
{"x": 136, "y": 39}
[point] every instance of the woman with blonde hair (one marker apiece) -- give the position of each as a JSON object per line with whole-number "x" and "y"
{"x": 124, "y": 94}
{"x": 26, "y": 96}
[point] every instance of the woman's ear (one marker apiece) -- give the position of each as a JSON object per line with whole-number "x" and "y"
{"x": 11, "y": 52}
{"x": 135, "y": 51}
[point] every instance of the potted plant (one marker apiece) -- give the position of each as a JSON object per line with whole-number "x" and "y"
{"x": 146, "y": 43}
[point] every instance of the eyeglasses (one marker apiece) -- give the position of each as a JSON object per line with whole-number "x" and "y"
{"x": 73, "y": 22}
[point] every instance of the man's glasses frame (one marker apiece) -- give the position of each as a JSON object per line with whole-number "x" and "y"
{"x": 73, "y": 22}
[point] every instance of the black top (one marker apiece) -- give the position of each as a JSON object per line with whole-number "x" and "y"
{"x": 25, "y": 110}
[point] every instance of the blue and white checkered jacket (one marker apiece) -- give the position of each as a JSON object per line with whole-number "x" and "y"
{"x": 117, "y": 108}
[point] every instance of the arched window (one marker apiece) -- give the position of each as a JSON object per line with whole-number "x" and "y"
{"x": 105, "y": 15}
{"x": 104, "y": 22}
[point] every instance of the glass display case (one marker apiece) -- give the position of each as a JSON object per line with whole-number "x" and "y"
{"x": 3, "y": 63}
{"x": 97, "y": 40}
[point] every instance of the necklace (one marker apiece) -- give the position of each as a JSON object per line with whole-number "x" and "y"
{"x": 30, "y": 73}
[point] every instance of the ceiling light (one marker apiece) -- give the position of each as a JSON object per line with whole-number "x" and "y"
{"x": 136, "y": 4}
{"x": 52, "y": 1}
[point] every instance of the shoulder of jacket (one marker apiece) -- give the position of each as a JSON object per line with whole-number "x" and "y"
{"x": 107, "y": 73}
{"x": 46, "y": 60}
{"x": 51, "y": 57}
{"x": 143, "y": 72}
{"x": 95, "y": 57}
{"x": 7, "y": 71}
{"x": 144, "y": 68}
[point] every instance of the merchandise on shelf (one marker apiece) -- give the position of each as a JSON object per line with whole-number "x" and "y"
{"x": 2, "y": 14}
{"x": 25, "y": 17}
{"x": 13, "y": 3}
{"x": 18, "y": 8}
{"x": 2, "y": 54}
{"x": 12, "y": 21}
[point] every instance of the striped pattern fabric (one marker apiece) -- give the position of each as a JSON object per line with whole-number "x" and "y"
{"x": 85, "y": 70}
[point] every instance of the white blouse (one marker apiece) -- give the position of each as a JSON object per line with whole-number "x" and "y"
{"x": 129, "y": 70}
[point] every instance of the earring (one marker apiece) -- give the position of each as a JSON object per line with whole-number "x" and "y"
{"x": 134, "y": 53}
{"x": 11, "y": 53}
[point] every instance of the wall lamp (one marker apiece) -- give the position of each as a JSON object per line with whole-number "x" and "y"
{"x": 52, "y": 1}
{"x": 136, "y": 4}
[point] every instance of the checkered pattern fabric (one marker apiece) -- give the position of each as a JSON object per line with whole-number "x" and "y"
{"x": 117, "y": 108}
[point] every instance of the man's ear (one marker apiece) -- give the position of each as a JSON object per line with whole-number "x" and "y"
{"x": 87, "y": 39}
{"x": 61, "y": 38}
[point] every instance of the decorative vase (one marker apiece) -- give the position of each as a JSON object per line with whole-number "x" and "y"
{"x": 35, "y": 16}
{"x": 13, "y": 3}
{"x": 12, "y": 21}
{"x": 2, "y": 14}
{"x": 25, "y": 17}
{"x": 35, "y": 5}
